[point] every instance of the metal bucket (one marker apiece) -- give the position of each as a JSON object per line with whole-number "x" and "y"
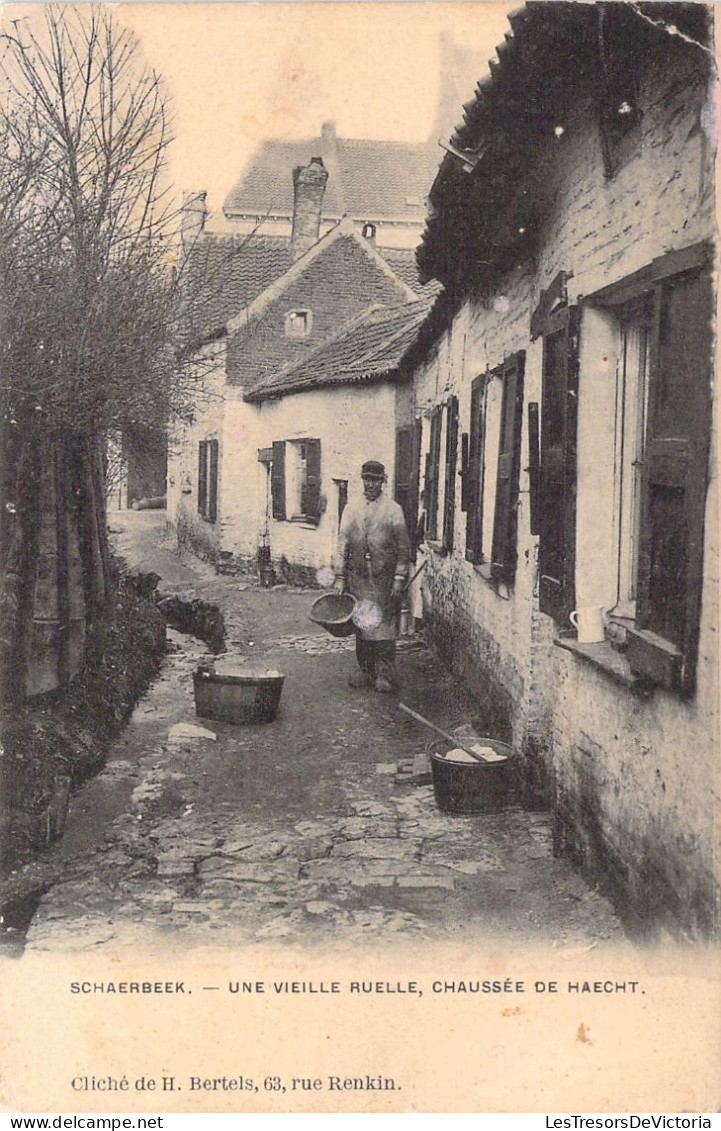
{"x": 472, "y": 787}
{"x": 334, "y": 613}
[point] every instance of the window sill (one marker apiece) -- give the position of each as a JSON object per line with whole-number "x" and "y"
{"x": 483, "y": 569}
{"x": 606, "y": 659}
{"x": 306, "y": 523}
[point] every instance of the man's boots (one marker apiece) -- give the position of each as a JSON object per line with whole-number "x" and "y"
{"x": 385, "y": 681}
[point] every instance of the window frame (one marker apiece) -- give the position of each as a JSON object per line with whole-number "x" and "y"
{"x": 308, "y": 488}
{"x": 683, "y": 463}
{"x": 293, "y": 316}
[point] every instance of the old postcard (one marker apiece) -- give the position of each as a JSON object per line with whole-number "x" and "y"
{"x": 359, "y": 559}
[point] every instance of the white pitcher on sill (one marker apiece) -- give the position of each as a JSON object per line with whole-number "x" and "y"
{"x": 589, "y": 623}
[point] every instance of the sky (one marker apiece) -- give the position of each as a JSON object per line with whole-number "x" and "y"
{"x": 240, "y": 72}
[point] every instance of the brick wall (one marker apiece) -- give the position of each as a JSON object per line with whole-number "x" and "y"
{"x": 635, "y": 783}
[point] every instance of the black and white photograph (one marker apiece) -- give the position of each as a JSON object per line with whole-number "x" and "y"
{"x": 359, "y": 557}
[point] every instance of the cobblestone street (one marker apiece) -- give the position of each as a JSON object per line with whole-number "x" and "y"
{"x": 311, "y": 828}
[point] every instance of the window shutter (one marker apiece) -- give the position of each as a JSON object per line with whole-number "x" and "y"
{"x": 404, "y": 471}
{"x": 465, "y": 454}
{"x": 534, "y": 467}
{"x": 212, "y": 480}
{"x": 449, "y": 499}
{"x": 559, "y": 412}
{"x": 415, "y": 478}
{"x": 202, "y": 476}
{"x": 505, "y": 515}
{"x": 664, "y": 643}
{"x": 277, "y": 479}
{"x": 474, "y": 478}
{"x": 312, "y": 480}
{"x": 432, "y": 472}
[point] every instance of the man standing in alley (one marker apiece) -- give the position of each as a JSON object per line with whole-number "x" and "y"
{"x": 373, "y": 564}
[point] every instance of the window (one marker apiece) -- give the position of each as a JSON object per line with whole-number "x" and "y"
{"x": 208, "y": 479}
{"x": 491, "y": 472}
{"x": 630, "y": 432}
{"x": 298, "y": 323}
{"x": 295, "y": 480}
{"x": 662, "y": 320}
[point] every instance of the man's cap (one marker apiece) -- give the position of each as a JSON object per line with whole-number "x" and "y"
{"x": 374, "y": 468}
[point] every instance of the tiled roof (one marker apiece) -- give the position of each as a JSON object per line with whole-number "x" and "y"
{"x": 368, "y": 348}
{"x": 404, "y": 263}
{"x": 225, "y": 273}
{"x": 368, "y": 180}
{"x": 346, "y": 234}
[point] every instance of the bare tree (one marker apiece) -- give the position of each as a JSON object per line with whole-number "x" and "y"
{"x": 88, "y": 222}
{"x": 89, "y": 300}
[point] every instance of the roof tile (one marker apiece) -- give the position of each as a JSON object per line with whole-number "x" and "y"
{"x": 368, "y": 348}
{"x": 369, "y": 180}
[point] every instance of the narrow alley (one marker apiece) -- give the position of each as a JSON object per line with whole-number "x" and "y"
{"x": 316, "y": 827}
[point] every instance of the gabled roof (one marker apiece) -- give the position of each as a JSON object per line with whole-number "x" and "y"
{"x": 346, "y": 229}
{"x": 368, "y": 348}
{"x": 369, "y": 180}
{"x": 225, "y": 273}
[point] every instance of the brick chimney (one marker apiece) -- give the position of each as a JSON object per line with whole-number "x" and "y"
{"x": 193, "y": 216}
{"x": 309, "y": 183}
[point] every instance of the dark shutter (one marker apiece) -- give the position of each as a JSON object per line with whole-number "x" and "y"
{"x": 505, "y": 515}
{"x": 559, "y": 412}
{"x": 212, "y": 480}
{"x": 202, "y": 476}
{"x": 465, "y": 452}
{"x": 404, "y": 472}
{"x": 277, "y": 479}
{"x": 674, "y": 481}
{"x": 474, "y": 479}
{"x": 415, "y": 482}
{"x": 449, "y": 499}
{"x": 312, "y": 480}
{"x": 433, "y": 472}
{"x": 534, "y": 468}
